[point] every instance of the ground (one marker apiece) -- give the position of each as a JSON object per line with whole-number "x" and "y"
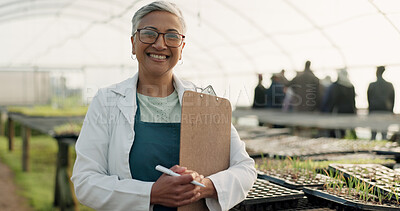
{"x": 10, "y": 200}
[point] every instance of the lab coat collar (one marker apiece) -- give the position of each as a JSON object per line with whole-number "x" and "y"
{"x": 127, "y": 104}
{"x": 127, "y": 89}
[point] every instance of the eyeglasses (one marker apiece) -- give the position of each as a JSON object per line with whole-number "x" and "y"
{"x": 149, "y": 36}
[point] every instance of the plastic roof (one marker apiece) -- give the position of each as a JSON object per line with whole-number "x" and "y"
{"x": 225, "y": 38}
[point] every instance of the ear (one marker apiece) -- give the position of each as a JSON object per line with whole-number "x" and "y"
{"x": 133, "y": 45}
{"x": 183, "y": 45}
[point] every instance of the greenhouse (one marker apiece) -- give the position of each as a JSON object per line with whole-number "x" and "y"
{"x": 300, "y": 80}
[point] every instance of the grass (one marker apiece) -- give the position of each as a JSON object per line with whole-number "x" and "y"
{"x": 37, "y": 185}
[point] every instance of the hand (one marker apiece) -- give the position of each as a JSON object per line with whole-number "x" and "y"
{"x": 207, "y": 192}
{"x": 176, "y": 191}
{"x": 196, "y": 176}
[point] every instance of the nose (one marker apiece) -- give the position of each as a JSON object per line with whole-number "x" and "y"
{"x": 160, "y": 43}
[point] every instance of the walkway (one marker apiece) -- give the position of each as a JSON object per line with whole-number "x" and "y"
{"x": 9, "y": 199}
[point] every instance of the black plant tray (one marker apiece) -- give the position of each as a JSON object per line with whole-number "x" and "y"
{"x": 384, "y": 178}
{"x": 268, "y": 196}
{"x": 390, "y": 148}
{"x": 341, "y": 203}
{"x": 318, "y": 181}
{"x": 388, "y": 151}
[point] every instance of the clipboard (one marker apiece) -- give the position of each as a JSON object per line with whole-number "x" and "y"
{"x": 205, "y": 136}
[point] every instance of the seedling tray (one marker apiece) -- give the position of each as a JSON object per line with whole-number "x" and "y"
{"x": 268, "y": 196}
{"x": 258, "y": 132}
{"x": 341, "y": 203}
{"x": 287, "y": 181}
{"x": 390, "y": 148}
{"x": 293, "y": 146}
{"x": 265, "y": 192}
{"x": 386, "y": 179}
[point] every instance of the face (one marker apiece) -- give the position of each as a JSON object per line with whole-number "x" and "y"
{"x": 157, "y": 59}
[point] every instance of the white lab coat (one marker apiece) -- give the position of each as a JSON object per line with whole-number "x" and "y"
{"x": 101, "y": 173}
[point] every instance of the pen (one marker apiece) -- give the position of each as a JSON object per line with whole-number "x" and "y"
{"x": 171, "y": 173}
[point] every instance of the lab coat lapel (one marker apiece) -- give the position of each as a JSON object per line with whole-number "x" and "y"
{"x": 182, "y": 86}
{"x": 127, "y": 103}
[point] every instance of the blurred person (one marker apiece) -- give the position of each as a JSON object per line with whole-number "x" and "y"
{"x": 380, "y": 97}
{"x": 306, "y": 93}
{"x": 259, "y": 94}
{"x": 275, "y": 93}
{"x": 260, "y": 98}
{"x": 134, "y": 125}
{"x": 324, "y": 85}
{"x": 282, "y": 77}
{"x": 340, "y": 98}
{"x": 286, "y": 105}
{"x": 289, "y": 93}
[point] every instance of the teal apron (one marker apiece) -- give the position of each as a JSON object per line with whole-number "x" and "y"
{"x": 154, "y": 144}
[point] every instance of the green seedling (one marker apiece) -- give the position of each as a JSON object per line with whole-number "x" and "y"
{"x": 358, "y": 188}
{"x": 341, "y": 182}
{"x": 389, "y": 195}
{"x": 380, "y": 196}
{"x": 369, "y": 192}
{"x": 396, "y": 195}
{"x": 350, "y": 184}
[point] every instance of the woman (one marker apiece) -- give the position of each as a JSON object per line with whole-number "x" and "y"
{"x": 340, "y": 99}
{"x": 134, "y": 125}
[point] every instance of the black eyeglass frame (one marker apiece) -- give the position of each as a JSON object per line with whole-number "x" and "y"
{"x": 158, "y": 34}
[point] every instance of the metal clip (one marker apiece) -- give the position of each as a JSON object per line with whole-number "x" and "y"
{"x": 208, "y": 90}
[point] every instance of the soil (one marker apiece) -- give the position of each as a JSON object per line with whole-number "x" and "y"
{"x": 10, "y": 200}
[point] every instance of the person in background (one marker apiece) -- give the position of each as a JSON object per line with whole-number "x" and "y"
{"x": 259, "y": 94}
{"x": 340, "y": 98}
{"x": 324, "y": 85}
{"x": 306, "y": 92}
{"x": 260, "y": 98}
{"x": 132, "y": 126}
{"x": 380, "y": 97}
{"x": 282, "y": 77}
{"x": 275, "y": 93}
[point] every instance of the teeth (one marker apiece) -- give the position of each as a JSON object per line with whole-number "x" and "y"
{"x": 158, "y": 56}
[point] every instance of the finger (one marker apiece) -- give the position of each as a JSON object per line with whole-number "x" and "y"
{"x": 199, "y": 178}
{"x": 178, "y": 169}
{"x": 182, "y": 180}
{"x": 194, "y": 174}
{"x": 195, "y": 198}
{"x": 186, "y": 188}
{"x": 189, "y": 195}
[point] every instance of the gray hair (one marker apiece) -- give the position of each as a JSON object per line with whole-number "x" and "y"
{"x": 157, "y": 6}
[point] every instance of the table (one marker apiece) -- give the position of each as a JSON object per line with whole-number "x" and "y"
{"x": 378, "y": 122}
{"x": 64, "y": 196}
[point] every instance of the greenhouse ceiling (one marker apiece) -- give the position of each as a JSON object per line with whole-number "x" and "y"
{"x": 224, "y": 37}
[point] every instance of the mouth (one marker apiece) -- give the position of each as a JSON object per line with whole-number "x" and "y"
{"x": 158, "y": 56}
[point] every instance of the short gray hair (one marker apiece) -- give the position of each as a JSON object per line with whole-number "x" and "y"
{"x": 157, "y": 6}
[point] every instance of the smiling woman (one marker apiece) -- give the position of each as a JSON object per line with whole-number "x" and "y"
{"x": 116, "y": 158}
{"x": 156, "y": 56}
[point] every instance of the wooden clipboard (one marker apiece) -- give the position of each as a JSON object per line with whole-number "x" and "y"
{"x": 205, "y": 137}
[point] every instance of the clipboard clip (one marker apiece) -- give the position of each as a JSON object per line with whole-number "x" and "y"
{"x": 207, "y": 90}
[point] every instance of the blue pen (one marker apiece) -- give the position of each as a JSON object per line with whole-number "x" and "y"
{"x": 171, "y": 173}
